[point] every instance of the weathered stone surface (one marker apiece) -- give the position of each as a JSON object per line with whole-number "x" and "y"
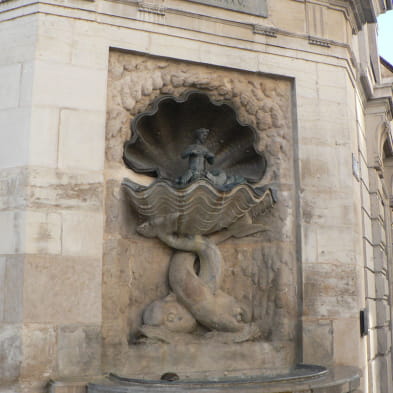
{"x": 381, "y": 286}
{"x": 79, "y": 350}
{"x": 44, "y": 127}
{"x": 11, "y": 228}
{"x": 346, "y": 346}
{"x": 383, "y": 374}
{"x": 81, "y": 143}
{"x": 75, "y": 289}
{"x": 82, "y": 233}
{"x": 380, "y": 259}
{"x": 37, "y": 188}
{"x": 65, "y": 386}
{"x": 384, "y": 340}
{"x": 120, "y": 217}
{"x": 261, "y": 276}
{"x": 329, "y": 289}
{"x": 326, "y": 208}
{"x": 9, "y": 96}
{"x": 134, "y": 274}
{"x": 15, "y": 125}
{"x": 57, "y": 189}
{"x": 13, "y": 182}
{"x": 13, "y": 288}
{"x": 54, "y": 89}
{"x": 208, "y": 360}
{"x": 382, "y": 312}
{"x": 318, "y": 341}
{"x": 370, "y": 284}
{"x": 43, "y": 233}
{"x": 39, "y": 351}
{"x": 11, "y": 354}
{"x": 2, "y": 286}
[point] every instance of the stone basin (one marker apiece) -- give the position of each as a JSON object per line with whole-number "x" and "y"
{"x": 303, "y": 378}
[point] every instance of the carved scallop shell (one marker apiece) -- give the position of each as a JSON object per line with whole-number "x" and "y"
{"x": 159, "y": 137}
{"x": 200, "y": 208}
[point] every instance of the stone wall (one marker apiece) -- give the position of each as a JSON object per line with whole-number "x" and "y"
{"x": 376, "y": 184}
{"x": 15, "y": 112}
{"x": 51, "y": 213}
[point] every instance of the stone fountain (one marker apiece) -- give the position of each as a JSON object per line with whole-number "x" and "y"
{"x": 208, "y": 193}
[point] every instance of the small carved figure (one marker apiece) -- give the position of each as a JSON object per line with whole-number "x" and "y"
{"x": 197, "y": 155}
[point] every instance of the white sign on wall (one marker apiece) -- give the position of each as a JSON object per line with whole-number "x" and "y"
{"x": 255, "y": 7}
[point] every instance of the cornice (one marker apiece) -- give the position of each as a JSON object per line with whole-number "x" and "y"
{"x": 359, "y": 11}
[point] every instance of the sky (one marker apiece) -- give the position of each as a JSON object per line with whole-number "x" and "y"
{"x": 385, "y": 36}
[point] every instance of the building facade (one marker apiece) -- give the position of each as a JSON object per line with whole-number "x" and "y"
{"x": 70, "y": 82}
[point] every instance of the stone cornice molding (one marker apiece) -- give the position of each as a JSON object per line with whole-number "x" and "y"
{"x": 365, "y": 11}
{"x": 361, "y": 12}
{"x": 149, "y": 7}
{"x": 381, "y": 92}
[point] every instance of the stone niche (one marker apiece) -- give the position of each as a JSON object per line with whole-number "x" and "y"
{"x": 260, "y": 270}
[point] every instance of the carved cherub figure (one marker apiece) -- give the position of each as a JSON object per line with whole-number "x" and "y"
{"x": 198, "y": 155}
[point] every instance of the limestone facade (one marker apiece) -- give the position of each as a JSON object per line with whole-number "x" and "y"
{"x": 62, "y": 221}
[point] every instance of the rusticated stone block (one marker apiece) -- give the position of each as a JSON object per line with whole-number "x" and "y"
{"x": 382, "y": 313}
{"x": 384, "y": 340}
{"x": 79, "y": 350}
{"x": 381, "y": 286}
{"x": 383, "y": 373}
{"x": 370, "y": 284}
{"x": 379, "y": 259}
{"x": 378, "y": 231}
